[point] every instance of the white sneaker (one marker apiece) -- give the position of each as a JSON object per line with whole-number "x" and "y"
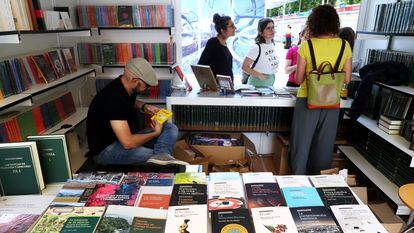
{"x": 165, "y": 159}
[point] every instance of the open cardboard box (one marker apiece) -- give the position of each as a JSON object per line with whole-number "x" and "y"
{"x": 387, "y": 217}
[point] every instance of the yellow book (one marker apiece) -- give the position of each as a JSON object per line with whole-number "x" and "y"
{"x": 162, "y": 116}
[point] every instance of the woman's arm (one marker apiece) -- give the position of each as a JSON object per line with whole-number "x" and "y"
{"x": 246, "y": 68}
{"x": 288, "y": 68}
{"x": 348, "y": 70}
{"x": 300, "y": 69}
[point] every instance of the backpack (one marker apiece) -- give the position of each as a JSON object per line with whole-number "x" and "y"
{"x": 245, "y": 76}
{"x": 324, "y": 88}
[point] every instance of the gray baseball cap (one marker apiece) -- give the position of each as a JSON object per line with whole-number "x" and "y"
{"x": 143, "y": 70}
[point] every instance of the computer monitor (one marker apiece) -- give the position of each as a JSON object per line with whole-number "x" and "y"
{"x": 205, "y": 77}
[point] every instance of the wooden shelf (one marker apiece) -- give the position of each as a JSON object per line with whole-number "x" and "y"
{"x": 75, "y": 119}
{"x": 40, "y": 88}
{"x": 395, "y": 140}
{"x": 381, "y": 181}
{"x": 14, "y": 37}
{"x": 169, "y": 29}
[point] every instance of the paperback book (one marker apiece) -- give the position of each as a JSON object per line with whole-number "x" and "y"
{"x": 326, "y": 181}
{"x": 154, "y": 197}
{"x": 273, "y": 219}
{"x": 337, "y": 196}
{"x": 264, "y": 195}
{"x": 293, "y": 181}
{"x": 188, "y": 219}
{"x": 301, "y": 197}
{"x": 314, "y": 219}
{"x": 228, "y": 221}
{"x": 226, "y": 194}
{"x": 189, "y": 194}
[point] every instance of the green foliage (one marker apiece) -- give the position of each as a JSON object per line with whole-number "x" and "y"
{"x": 110, "y": 224}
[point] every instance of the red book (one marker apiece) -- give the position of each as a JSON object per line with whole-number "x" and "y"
{"x": 38, "y": 119}
{"x": 148, "y": 47}
{"x": 119, "y": 53}
{"x": 151, "y": 16}
{"x": 91, "y": 16}
{"x": 169, "y": 46}
{"x": 137, "y": 50}
{"x": 9, "y": 131}
{"x": 38, "y": 79}
{"x": 59, "y": 108}
{"x": 80, "y": 16}
{"x": 32, "y": 14}
{"x": 69, "y": 104}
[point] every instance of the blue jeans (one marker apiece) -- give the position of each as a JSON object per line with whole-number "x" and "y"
{"x": 116, "y": 154}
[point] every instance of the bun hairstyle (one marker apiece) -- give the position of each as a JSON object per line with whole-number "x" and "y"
{"x": 220, "y": 22}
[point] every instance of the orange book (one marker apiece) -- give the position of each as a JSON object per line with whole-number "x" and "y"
{"x": 151, "y": 15}
{"x": 148, "y": 47}
{"x": 91, "y": 16}
{"x": 155, "y": 201}
{"x": 119, "y": 53}
{"x": 38, "y": 118}
{"x": 29, "y": 14}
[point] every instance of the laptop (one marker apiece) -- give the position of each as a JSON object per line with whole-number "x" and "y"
{"x": 205, "y": 77}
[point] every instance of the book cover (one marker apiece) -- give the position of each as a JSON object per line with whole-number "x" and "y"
{"x": 356, "y": 218}
{"x": 125, "y": 18}
{"x": 114, "y": 194}
{"x": 228, "y": 221}
{"x": 44, "y": 67}
{"x": 314, "y": 219}
{"x": 162, "y": 116}
{"x": 264, "y": 195}
{"x": 56, "y": 64}
{"x": 69, "y": 219}
{"x": 226, "y": 194}
{"x": 19, "y": 164}
{"x": 219, "y": 176}
{"x": 337, "y": 196}
{"x": 69, "y": 60}
{"x": 159, "y": 182}
{"x": 19, "y": 213}
{"x": 262, "y": 177}
{"x": 54, "y": 157}
{"x": 324, "y": 181}
{"x": 190, "y": 178}
{"x": 301, "y": 197}
{"x": 189, "y": 194}
{"x": 293, "y": 181}
{"x": 133, "y": 220}
{"x": 188, "y": 219}
{"x": 273, "y": 219}
{"x": 154, "y": 197}
{"x": 74, "y": 193}
{"x": 101, "y": 176}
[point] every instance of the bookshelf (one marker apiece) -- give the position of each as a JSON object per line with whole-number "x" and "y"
{"x": 14, "y": 37}
{"x": 19, "y": 99}
{"x": 163, "y": 66}
{"x": 102, "y": 30}
{"x": 369, "y": 35}
{"x": 74, "y": 120}
{"x": 385, "y": 185}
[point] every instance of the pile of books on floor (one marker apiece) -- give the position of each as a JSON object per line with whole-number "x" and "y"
{"x": 164, "y": 202}
{"x": 390, "y": 125}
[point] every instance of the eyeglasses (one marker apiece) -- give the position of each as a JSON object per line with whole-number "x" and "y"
{"x": 270, "y": 28}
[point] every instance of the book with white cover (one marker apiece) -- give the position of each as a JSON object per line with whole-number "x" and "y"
{"x": 19, "y": 213}
{"x": 356, "y": 218}
{"x": 293, "y": 181}
{"x": 258, "y": 177}
{"x": 214, "y": 176}
{"x": 6, "y": 16}
{"x": 273, "y": 219}
{"x": 225, "y": 194}
{"x": 325, "y": 181}
{"x": 133, "y": 219}
{"x": 191, "y": 218}
{"x": 66, "y": 20}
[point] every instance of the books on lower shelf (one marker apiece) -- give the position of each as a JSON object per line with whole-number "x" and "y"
{"x": 117, "y": 54}
{"x": 20, "y": 170}
{"x": 125, "y": 16}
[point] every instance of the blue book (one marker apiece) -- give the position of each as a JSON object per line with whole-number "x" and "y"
{"x": 301, "y": 197}
{"x": 47, "y": 121}
{"x": 159, "y": 182}
{"x": 5, "y": 80}
{"x": 3, "y": 134}
{"x": 165, "y": 89}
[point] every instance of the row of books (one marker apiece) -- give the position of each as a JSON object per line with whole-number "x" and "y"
{"x": 126, "y": 16}
{"x": 161, "y": 91}
{"x": 120, "y": 53}
{"x": 387, "y": 158}
{"x": 19, "y": 125}
{"x": 389, "y": 125}
{"x": 19, "y": 74}
{"x": 164, "y": 202}
{"x": 28, "y": 15}
{"x": 394, "y": 17}
{"x": 232, "y": 117}
{"x": 405, "y": 58}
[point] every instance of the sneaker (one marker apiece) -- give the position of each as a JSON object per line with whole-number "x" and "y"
{"x": 165, "y": 159}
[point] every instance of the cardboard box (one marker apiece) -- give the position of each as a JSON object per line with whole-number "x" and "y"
{"x": 227, "y": 155}
{"x": 361, "y": 192}
{"x": 183, "y": 152}
{"x": 280, "y": 157}
{"x": 386, "y": 215}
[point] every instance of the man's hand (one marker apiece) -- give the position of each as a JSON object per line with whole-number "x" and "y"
{"x": 157, "y": 127}
{"x": 151, "y": 109}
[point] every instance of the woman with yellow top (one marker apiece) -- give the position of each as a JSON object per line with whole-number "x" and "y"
{"x": 314, "y": 130}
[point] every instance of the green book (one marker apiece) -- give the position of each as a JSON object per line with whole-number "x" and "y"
{"x": 54, "y": 157}
{"x": 20, "y": 171}
{"x": 26, "y": 124}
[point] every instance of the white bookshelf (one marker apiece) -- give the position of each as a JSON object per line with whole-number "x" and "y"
{"x": 75, "y": 119}
{"x": 19, "y": 99}
{"x": 381, "y": 181}
{"x": 395, "y": 140}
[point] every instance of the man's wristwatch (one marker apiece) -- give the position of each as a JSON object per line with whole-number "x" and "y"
{"x": 143, "y": 107}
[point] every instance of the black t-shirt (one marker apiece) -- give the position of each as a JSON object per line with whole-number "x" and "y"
{"x": 112, "y": 103}
{"x": 218, "y": 57}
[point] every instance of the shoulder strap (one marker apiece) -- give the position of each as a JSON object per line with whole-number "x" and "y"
{"x": 312, "y": 53}
{"x": 258, "y": 56}
{"x": 341, "y": 53}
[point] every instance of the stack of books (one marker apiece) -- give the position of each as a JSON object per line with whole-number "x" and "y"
{"x": 390, "y": 125}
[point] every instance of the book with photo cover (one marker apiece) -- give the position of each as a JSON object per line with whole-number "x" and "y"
{"x": 56, "y": 63}
{"x": 264, "y": 195}
{"x": 132, "y": 219}
{"x": 314, "y": 219}
{"x": 114, "y": 194}
{"x": 67, "y": 54}
{"x": 228, "y": 221}
{"x": 100, "y": 176}
{"x": 44, "y": 68}
{"x": 125, "y": 18}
